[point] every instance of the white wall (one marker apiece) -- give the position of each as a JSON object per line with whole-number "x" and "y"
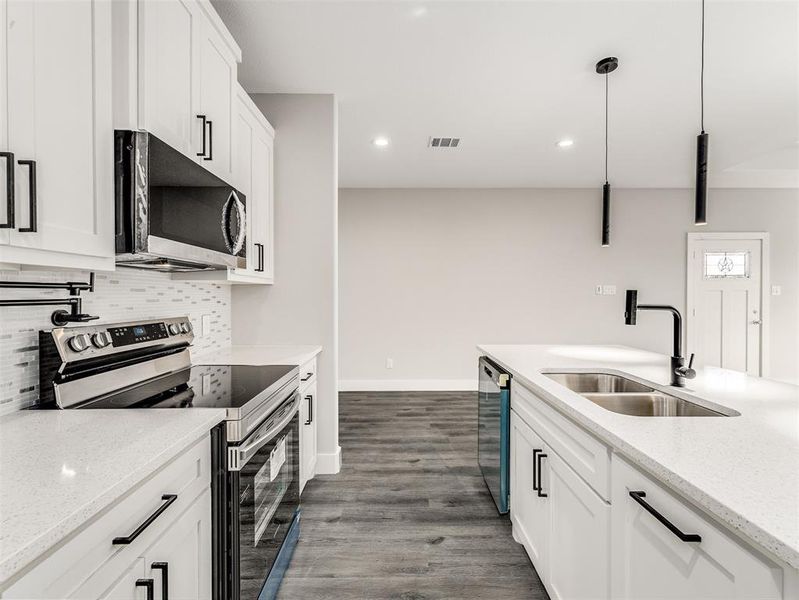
{"x": 427, "y": 274}
{"x": 301, "y": 307}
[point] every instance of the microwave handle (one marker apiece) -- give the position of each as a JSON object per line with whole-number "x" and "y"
{"x": 239, "y": 456}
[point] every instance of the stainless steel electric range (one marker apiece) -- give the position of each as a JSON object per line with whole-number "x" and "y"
{"x": 147, "y": 364}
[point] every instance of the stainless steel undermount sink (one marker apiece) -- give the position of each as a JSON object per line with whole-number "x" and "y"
{"x": 628, "y": 397}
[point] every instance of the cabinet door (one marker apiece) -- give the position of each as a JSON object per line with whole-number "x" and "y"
{"x": 262, "y": 201}
{"x": 123, "y": 588}
{"x": 5, "y": 163}
{"x": 242, "y": 174}
{"x": 579, "y": 546}
{"x": 649, "y": 561}
{"x": 59, "y": 117}
{"x": 217, "y": 77}
{"x": 529, "y": 510}
{"x": 168, "y": 73}
{"x": 308, "y": 435}
{"x": 181, "y": 557}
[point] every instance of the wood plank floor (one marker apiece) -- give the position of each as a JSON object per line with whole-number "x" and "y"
{"x": 409, "y": 516}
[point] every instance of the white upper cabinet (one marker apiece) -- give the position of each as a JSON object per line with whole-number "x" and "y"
{"x": 57, "y": 123}
{"x": 186, "y": 63}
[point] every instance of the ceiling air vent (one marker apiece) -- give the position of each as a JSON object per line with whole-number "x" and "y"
{"x": 444, "y": 142}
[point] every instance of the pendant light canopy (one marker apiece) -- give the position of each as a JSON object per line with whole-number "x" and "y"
{"x": 604, "y": 67}
{"x": 700, "y": 202}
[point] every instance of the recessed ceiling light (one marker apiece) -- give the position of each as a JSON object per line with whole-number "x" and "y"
{"x": 565, "y": 143}
{"x": 380, "y": 142}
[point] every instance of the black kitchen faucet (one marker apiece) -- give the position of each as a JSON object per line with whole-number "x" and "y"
{"x": 679, "y": 372}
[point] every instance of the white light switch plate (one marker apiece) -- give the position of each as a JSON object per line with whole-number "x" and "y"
{"x": 608, "y": 290}
{"x": 598, "y": 289}
{"x": 206, "y": 325}
{"x": 206, "y": 384}
{"x": 389, "y": 363}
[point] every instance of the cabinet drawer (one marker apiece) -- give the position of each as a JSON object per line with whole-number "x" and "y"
{"x": 91, "y": 549}
{"x": 589, "y": 457}
{"x": 650, "y": 561}
{"x": 307, "y": 374}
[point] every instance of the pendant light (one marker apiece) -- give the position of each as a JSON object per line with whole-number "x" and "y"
{"x": 604, "y": 67}
{"x": 700, "y": 203}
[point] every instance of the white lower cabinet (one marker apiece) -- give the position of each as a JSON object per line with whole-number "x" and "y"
{"x": 167, "y": 519}
{"x": 650, "y": 561}
{"x": 584, "y": 547}
{"x": 308, "y": 429}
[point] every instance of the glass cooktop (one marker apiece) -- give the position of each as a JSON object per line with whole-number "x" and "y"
{"x": 202, "y": 386}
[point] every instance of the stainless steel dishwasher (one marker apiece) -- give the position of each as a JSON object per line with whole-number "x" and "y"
{"x": 493, "y": 431}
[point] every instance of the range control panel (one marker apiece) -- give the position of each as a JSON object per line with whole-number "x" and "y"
{"x": 77, "y": 343}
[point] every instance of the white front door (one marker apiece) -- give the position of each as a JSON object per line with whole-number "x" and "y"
{"x": 725, "y": 320}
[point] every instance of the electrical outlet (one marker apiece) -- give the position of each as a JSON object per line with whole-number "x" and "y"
{"x": 206, "y": 325}
{"x": 389, "y": 363}
{"x": 608, "y": 290}
{"x": 598, "y": 289}
{"x": 776, "y": 290}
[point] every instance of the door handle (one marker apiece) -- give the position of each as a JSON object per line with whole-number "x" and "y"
{"x": 10, "y": 168}
{"x": 168, "y": 499}
{"x": 309, "y": 398}
{"x": 757, "y": 322}
{"x": 148, "y": 585}
{"x": 535, "y": 460}
{"x": 210, "y": 140}
{"x": 260, "y": 267}
{"x": 685, "y": 537}
{"x": 204, "y": 120}
{"x": 307, "y": 377}
{"x": 31, "y": 164}
{"x": 164, "y": 568}
{"x": 540, "y": 490}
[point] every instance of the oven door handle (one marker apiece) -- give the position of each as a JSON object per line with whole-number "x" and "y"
{"x": 238, "y": 456}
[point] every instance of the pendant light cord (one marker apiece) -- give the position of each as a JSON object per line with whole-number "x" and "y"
{"x": 606, "y": 127}
{"x": 702, "y": 75}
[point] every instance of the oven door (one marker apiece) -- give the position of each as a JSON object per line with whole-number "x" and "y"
{"x": 263, "y": 479}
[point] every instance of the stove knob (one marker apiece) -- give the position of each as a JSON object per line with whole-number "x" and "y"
{"x": 184, "y": 328}
{"x": 101, "y": 339}
{"x": 174, "y": 329}
{"x": 188, "y": 326}
{"x": 79, "y": 342}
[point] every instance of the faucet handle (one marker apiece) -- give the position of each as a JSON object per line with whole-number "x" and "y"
{"x": 691, "y": 360}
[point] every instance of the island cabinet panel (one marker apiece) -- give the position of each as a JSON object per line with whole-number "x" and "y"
{"x": 529, "y": 512}
{"x": 308, "y": 428}
{"x": 650, "y": 561}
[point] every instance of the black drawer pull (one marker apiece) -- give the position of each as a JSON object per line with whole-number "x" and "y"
{"x": 31, "y": 164}
{"x": 204, "y": 139}
{"x": 685, "y": 537}
{"x": 148, "y": 585}
{"x": 539, "y": 489}
{"x": 168, "y": 499}
{"x": 10, "y": 168}
{"x": 535, "y": 477}
{"x": 164, "y": 568}
{"x": 210, "y": 141}
{"x": 309, "y": 398}
{"x": 307, "y": 376}
{"x": 260, "y": 267}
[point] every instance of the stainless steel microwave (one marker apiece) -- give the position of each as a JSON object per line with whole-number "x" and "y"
{"x": 171, "y": 213}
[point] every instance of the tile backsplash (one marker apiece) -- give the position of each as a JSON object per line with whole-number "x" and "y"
{"x": 123, "y": 295}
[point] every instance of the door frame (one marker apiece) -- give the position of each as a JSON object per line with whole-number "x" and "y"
{"x": 765, "y": 285}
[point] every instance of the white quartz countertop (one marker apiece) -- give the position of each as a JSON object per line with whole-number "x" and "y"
{"x": 744, "y": 470}
{"x": 59, "y": 468}
{"x": 257, "y": 355}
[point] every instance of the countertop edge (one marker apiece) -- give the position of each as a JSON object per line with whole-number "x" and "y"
{"x": 286, "y": 354}
{"x": 720, "y": 512}
{"x": 15, "y": 565}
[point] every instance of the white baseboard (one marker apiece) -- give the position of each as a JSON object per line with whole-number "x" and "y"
{"x": 407, "y": 385}
{"x": 328, "y": 463}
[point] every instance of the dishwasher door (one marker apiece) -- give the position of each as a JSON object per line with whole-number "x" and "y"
{"x": 493, "y": 431}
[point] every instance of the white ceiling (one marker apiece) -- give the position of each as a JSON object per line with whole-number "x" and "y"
{"x": 512, "y": 78}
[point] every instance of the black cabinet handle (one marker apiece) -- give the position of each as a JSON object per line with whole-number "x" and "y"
{"x": 10, "y": 168}
{"x": 539, "y": 458}
{"x": 307, "y": 377}
{"x": 309, "y": 398}
{"x": 31, "y": 164}
{"x": 210, "y": 141}
{"x": 260, "y": 267}
{"x": 164, "y": 568}
{"x": 685, "y": 537}
{"x": 535, "y": 477}
{"x": 148, "y": 585}
{"x": 204, "y": 140}
{"x": 167, "y": 499}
